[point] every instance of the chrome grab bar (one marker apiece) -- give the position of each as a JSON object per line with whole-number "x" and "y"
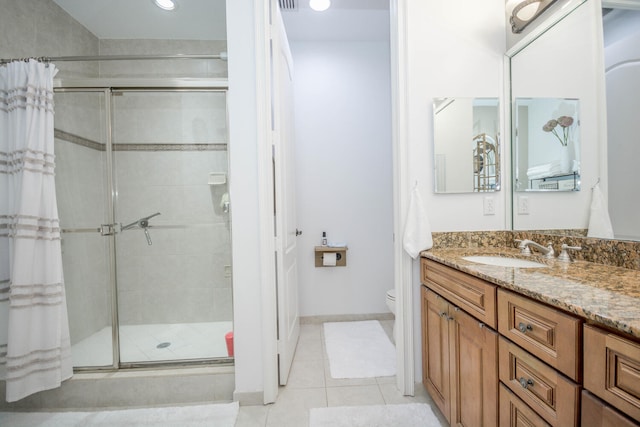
{"x": 141, "y": 223}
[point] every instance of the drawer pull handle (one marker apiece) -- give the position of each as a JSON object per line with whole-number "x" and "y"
{"x": 524, "y": 328}
{"x": 525, "y": 383}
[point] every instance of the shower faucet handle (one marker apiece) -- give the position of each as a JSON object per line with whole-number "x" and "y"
{"x": 142, "y": 222}
{"x": 146, "y": 219}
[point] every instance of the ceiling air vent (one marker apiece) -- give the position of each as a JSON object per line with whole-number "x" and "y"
{"x": 288, "y": 5}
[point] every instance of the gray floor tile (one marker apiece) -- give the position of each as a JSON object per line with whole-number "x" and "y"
{"x": 306, "y": 374}
{"x": 252, "y": 416}
{"x": 355, "y": 395}
{"x": 292, "y": 406}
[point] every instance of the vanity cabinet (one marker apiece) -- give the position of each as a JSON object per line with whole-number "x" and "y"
{"x": 527, "y": 373}
{"x": 460, "y": 369}
{"x": 612, "y": 371}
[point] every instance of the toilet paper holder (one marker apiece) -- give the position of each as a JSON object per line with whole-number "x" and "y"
{"x": 340, "y": 251}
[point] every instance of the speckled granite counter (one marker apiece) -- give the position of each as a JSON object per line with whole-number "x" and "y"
{"x": 601, "y": 293}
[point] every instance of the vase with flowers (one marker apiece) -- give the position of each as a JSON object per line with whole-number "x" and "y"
{"x": 564, "y": 123}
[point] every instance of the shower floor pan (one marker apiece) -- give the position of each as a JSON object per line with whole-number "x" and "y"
{"x": 156, "y": 342}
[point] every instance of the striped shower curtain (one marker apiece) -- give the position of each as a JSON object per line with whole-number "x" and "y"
{"x": 34, "y": 330}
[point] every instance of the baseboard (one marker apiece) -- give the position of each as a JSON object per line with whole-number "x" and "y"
{"x": 249, "y": 398}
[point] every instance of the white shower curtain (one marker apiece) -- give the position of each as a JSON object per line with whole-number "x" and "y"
{"x": 34, "y": 330}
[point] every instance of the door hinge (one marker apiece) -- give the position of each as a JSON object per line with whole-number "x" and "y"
{"x": 107, "y": 229}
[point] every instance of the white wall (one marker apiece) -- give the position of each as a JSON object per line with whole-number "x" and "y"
{"x": 453, "y": 51}
{"x": 244, "y": 121}
{"x": 343, "y": 168}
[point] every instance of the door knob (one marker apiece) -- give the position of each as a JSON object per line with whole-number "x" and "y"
{"x": 298, "y": 232}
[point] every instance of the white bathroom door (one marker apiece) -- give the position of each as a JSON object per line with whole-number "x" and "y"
{"x": 285, "y": 204}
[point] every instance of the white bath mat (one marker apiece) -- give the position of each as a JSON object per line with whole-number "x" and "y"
{"x": 359, "y": 350}
{"x": 214, "y": 415}
{"x": 405, "y": 415}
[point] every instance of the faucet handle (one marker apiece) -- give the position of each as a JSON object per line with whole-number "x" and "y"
{"x": 564, "y": 254}
{"x": 523, "y": 246}
{"x": 550, "y": 250}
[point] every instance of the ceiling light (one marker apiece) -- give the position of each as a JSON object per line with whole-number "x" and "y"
{"x": 165, "y": 4}
{"x": 319, "y": 5}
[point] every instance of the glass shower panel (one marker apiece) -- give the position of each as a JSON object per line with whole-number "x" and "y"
{"x": 173, "y": 251}
{"x": 83, "y": 205}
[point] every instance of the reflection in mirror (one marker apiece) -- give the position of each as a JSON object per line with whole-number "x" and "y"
{"x": 622, "y": 66}
{"x": 547, "y": 144}
{"x": 466, "y": 145}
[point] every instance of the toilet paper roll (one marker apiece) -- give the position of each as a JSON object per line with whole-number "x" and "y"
{"x": 329, "y": 259}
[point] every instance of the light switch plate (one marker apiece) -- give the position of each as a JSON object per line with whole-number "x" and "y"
{"x": 523, "y": 205}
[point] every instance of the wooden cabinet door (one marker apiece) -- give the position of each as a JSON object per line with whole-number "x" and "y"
{"x": 596, "y": 413}
{"x": 612, "y": 369}
{"x": 435, "y": 349}
{"x": 474, "y": 371}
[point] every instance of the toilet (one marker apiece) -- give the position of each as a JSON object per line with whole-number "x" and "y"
{"x": 391, "y": 303}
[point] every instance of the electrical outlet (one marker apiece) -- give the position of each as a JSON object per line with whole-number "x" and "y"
{"x": 227, "y": 271}
{"x": 523, "y": 205}
{"x": 489, "y": 207}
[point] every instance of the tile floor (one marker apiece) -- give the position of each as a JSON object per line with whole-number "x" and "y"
{"x": 311, "y": 386}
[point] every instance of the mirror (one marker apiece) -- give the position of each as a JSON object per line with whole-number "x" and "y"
{"x": 559, "y": 67}
{"x": 466, "y": 145}
{"x": 546, "y": 144}
{"x": 622, "y": 77}
{"x": 568, "y": 58}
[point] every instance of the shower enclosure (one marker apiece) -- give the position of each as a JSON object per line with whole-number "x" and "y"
{"x": 142, "y": 186}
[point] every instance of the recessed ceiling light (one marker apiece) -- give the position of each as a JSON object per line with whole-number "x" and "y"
{"x": 319, "y": 5}
{"x": 165, "y": 4}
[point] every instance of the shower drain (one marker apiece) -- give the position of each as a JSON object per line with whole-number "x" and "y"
{"x": 163, "y": 345}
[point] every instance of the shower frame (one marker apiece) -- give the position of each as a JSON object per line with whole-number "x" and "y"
{"x": 107, "y": 86}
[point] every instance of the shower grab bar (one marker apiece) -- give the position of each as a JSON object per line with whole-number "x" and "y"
{"x": 144, "y": 224}
{"x": 140, "y": 223}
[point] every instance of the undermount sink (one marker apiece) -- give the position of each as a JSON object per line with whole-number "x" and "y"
{"x": 503, "y": 261}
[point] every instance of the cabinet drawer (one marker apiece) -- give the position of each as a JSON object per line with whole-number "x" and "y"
{"x": 596, "y": 413}
{"x": 612, "y": 369}
{"x": 515, "y": 413}
{"x": 547, "y": 333}
{"x": 475, "y": 296}
{"x": 554, "y": 397}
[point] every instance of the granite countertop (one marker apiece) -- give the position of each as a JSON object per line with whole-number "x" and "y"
{"x": 600, "y": 293}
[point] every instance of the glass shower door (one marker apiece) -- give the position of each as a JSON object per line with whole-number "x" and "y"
{"x": 173, "y": 248}
{"x": 84, "y": 204}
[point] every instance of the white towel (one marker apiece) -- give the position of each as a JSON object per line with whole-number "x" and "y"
{"x": 417, "y": 229}
{"x": 599, "y": 221}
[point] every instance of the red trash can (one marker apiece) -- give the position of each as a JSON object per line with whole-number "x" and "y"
{"x": 229, "y": 339}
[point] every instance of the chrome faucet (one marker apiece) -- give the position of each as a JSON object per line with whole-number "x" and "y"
{"x": 526, "y": 245}
{"x": 564, "y": 254}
